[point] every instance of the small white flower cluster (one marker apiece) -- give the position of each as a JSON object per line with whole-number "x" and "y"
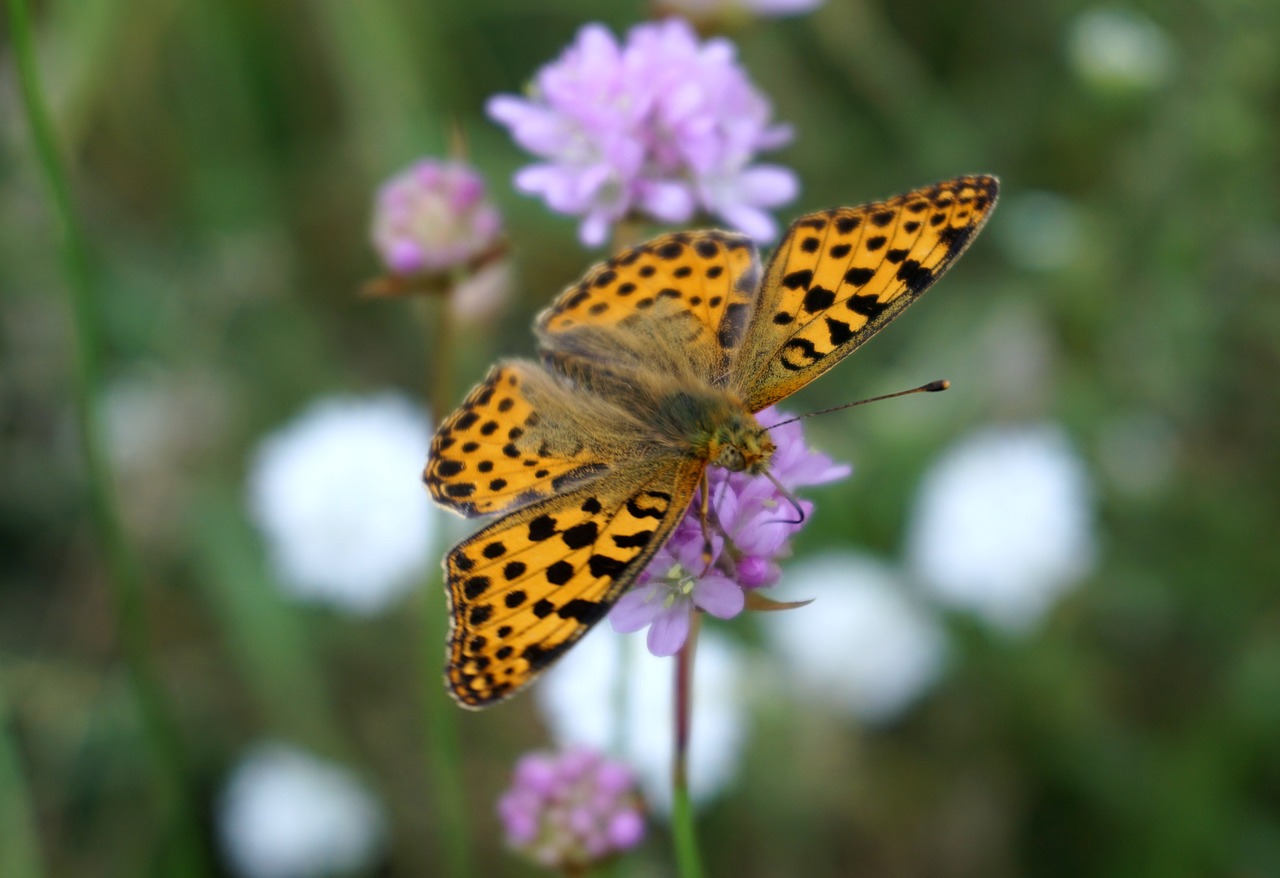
{"x": 337, "y": 494}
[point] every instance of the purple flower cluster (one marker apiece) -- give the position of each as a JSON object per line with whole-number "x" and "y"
{"x": 566, "y": 811}
{"x": 662, "y": 125}
{"x": 752, "y": 526}
{"x": 433, "y": 217}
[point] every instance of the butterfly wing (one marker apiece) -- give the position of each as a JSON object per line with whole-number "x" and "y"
{"x": 526, "y": 588}
{"x": 698, "y": 285}
{"x": 840, "y": 275}
{"x": 520, "y": 436}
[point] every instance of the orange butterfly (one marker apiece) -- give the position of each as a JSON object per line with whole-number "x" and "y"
{"x": 653, "y": 368}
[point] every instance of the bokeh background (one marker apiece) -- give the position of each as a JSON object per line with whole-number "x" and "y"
{"x": 1119, "y": 317}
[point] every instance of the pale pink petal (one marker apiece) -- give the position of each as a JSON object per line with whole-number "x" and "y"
{"x": 669, "y": 631}
{"x": 637, "y": 608}
{"x": 719, "y": 596}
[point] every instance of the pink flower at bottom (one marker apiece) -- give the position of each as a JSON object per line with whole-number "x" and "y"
{"x": 569, "y": 810}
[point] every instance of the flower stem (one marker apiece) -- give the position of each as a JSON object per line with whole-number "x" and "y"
{"x": 20, "y": 853}
{"x": 442, "y": 751}
{"x": 688, "y": 861}
{"x": 161, "y": 736}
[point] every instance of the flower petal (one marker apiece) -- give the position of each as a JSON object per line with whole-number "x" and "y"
{"x": 637, "y": 608}
{"x": 669, "y": 631}
{"x": 719, "y": 595}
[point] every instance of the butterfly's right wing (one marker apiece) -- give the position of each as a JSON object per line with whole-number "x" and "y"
{"x": 521, "y": 436}
{"x": 839, "y": 276}
{"x": 527, "y": 587}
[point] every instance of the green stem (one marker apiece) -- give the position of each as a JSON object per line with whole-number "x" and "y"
{"x": 684, "y": 832}
{"x": 122, "y": 573}
{"x": 20, "y": 853}
{"x": 443, "y": 754}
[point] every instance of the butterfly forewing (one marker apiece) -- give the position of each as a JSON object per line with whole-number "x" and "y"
{"x": 840, "y": 275}
{"x": 708, "y": 278}
{"x": 526, "y": 588}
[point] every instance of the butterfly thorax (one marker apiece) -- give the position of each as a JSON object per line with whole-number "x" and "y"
{"x": 720, "y": 430}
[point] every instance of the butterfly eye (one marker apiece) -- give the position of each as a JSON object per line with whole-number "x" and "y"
{"x": 730, "y": 457}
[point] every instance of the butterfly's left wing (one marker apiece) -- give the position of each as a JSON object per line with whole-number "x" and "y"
{"x": 528, "y": 586}
{"x": 841, "y": 275}
{"x": 694, "y": 289}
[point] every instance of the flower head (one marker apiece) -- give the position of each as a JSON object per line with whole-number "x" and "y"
{"x": 432, "y": 217}
{"x": 661, "y": 125}
{"x": 336, "y": 495}
{"x": 569, "y": 810}
{"x": 286, "y": 814}
{"x": 753, "y": 522}
{"x": 1003, "y": 524}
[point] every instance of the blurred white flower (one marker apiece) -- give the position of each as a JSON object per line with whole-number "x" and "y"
{"x": 581, "y": 698}
{"x": 337, "y": 493}
{"x": 153, "y": 418}
{"x": 863, "y": 646}
{"x": 286, "y": 814}
{"x": 1003, "y": 525}
{"x": 1119, "y": 49}
{"x": 1041, "y": 231}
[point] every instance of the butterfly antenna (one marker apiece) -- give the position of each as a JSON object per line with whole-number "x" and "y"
{"x": 790, "y": 498}
{"x": 931, "y": 387}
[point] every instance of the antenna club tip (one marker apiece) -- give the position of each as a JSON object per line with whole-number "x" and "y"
{"x": 935, "y": 386}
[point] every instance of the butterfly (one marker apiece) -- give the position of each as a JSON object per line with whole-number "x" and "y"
{"x": 652, "y": 369}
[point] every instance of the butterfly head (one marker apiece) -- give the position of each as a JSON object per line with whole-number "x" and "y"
{"x": 741, "y": 445}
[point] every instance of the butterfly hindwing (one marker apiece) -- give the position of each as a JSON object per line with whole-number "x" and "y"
{"x": 509, "y": 444}
{"x": 841, "y": 275}
{"x": 526, "y": 588}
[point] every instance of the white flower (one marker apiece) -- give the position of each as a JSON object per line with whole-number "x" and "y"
{"x": 581, "y": 698}
{"x": 1119, "y": 48}
{"x": 338, "y": 495}
{"x": 286, "y": 814}
{"x": 1003, "y": 525}
{"x": 863, "y": 645}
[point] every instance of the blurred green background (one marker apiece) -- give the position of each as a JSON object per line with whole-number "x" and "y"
{"x": 223, "y": 159}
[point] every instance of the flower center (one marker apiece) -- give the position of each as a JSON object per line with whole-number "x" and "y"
{"x": 679, "y": 583}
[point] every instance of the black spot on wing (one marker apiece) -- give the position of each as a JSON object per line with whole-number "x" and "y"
{"x": 915, "y": 276}
{"x": 839, "y": 331}
{"x": 798, "y": 280}
{"x": 603, "y": 565}
{"x": 584, "y": 611}
{"x": 818, "y": 299}
{"x": 799, "y": 353}
{"x": 868, "y": 306}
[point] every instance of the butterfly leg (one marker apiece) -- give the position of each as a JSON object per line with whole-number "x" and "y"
{"x": 704, "y": 508}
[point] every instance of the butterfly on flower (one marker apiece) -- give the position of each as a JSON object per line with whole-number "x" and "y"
{"x": 653, "y": 368}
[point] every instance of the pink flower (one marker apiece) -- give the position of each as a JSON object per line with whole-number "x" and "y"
{"x": 663, "y": 125}
{"x": 566, "y": 811}
{"x": 752, "y": 526}
{"x": 433, "y": 217}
